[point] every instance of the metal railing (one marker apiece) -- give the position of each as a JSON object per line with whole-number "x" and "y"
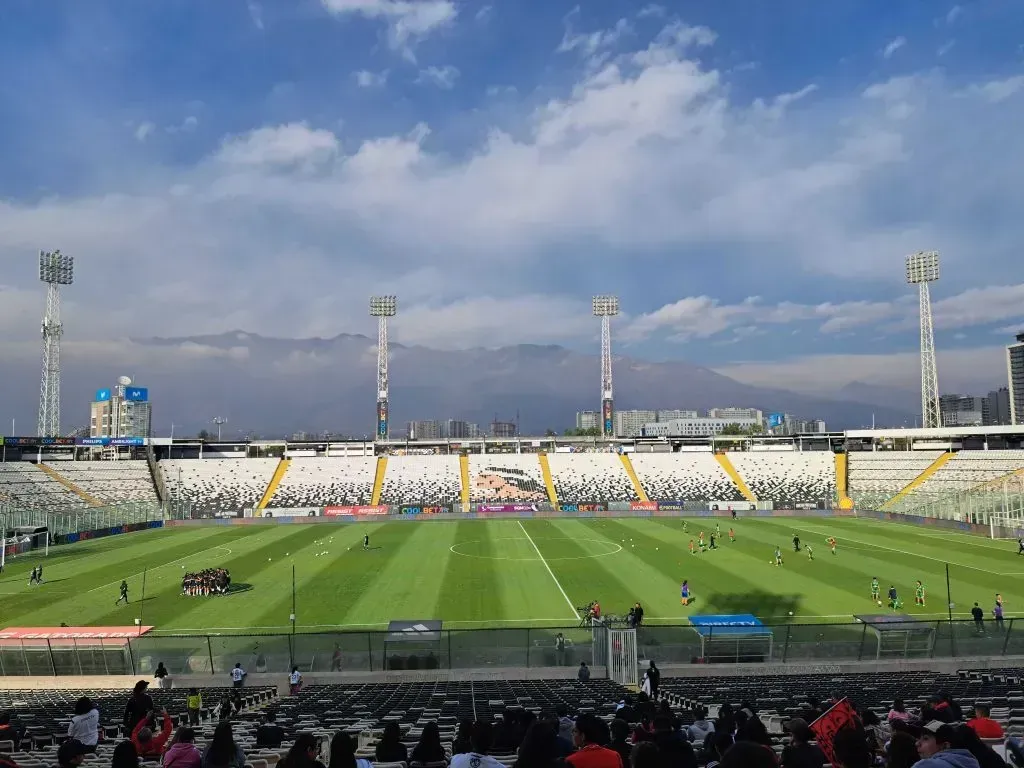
{"x": 510, "y": 648}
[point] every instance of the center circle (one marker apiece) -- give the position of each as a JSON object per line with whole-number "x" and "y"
{"x": 609, "y": 547}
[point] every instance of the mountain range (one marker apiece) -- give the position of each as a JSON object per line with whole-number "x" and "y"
{"x": 276, "y": 386}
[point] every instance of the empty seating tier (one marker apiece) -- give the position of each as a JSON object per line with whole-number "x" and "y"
{"x": 687, "y": 476}
{"x": 110, "y": 481}
{"x": 590, "y": 477}
{"x": 218, "y": 485}
{"x": 422, "y": 480}
{"x": 788, "y": 477}
{"x": 874, "y": 477}
{"x": 966, "y": 470}
{"x": 28, "y": 486}
{"x": 506, "y": 478}
{"x": 321, "y": 482}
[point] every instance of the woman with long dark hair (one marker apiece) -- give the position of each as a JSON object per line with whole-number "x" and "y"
{"x": 429, "y": 749}
{"x": 304, "y": 753}
{"x": 390, "y": 748}
{"x": 343, "y": 753}
{"x": 124, "y": 756}
{"x": 222, "y": 751}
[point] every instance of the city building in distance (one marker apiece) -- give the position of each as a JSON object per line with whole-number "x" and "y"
{"x": 1015, "y": 373}
{"x": 121, "y": 411}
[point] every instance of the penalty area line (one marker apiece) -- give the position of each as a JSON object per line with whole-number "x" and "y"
{"x": 551, "y": 573}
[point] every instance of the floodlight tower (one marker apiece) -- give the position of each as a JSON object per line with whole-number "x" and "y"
{"x": 922, "y": 270}
{"x": 55, "y": 269}
{"x": 382, "y": 307}
{"x": 606, "y": 307}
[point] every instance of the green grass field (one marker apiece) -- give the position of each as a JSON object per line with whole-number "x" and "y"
{"x": 502, "y": 573}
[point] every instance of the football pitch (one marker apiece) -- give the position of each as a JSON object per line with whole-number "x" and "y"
{"x": 506, "y": 573}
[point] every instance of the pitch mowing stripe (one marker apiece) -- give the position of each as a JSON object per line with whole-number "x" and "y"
{"x": 524, "y": 583}
{"x": 400, "y": 590}
{"x": 558, "y": 584}
{"x": 469, "y": 585}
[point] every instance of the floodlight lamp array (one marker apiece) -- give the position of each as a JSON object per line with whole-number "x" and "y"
{"x": 383, "y": 306}
{"x": 922, "y": 267}
{"x": 606, "y": 306}
{"x": 55, "y": 268}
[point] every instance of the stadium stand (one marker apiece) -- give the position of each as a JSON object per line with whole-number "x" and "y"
{"x": 788, "y": 477}
{"x": 110, "y": 481}
{"x": 966, "y": 470}
{"x": 506, "y": 478}
{"x": 320, "y": 482}
{"x": 687, "y": 476}
{"x": 875, "y": 477}
{"x": 29, "y": 486}
{"x": 590, "y": 477}
{"x": 218, "y": 485}
{"x": 422, "y": 480}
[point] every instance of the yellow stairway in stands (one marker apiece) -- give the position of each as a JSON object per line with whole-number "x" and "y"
{"x": 628, "y": 465}
{"x": 918, "y": 481}
{"x": 730, "y": 470}
{"x": 378, "y": 480}
{"x": 549, "y": 482}
{"x": 842, "y": 492}
{"x": 464, "y": 471}
{"x": 282, "y": 467}
{"x": 92, "y": 501}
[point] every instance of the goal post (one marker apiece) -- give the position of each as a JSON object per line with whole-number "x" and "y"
{"x": 1006, "y": 526}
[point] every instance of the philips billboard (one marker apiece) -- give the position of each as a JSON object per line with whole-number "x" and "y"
{"x": 136, "y": 394}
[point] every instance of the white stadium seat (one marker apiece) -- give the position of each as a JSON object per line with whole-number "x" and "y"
{"x": 110, "y": 481}
{"x": 874, "y": 477}
{"x": 966, "y": 470}
{"x": 26, "y": 485}
{"x": 788, "y": 477}
{"x": 218, "y": 485}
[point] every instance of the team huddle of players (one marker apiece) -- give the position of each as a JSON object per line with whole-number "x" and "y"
{"x": 212, "y": 581}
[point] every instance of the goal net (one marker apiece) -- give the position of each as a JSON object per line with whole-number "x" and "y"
{"x": 1007, "y": 526}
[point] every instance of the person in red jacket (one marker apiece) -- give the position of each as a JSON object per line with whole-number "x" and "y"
{"x": 983, "y": 725}
{"x": 146, "y": 743}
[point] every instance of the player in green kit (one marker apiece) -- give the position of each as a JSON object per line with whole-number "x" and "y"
{"x": 810, "y": 551}
{"x": 919, "y": 594}
{"x": 875, "y": 589}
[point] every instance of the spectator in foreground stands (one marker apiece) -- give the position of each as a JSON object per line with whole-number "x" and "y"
{"x": 701, "y": 729}
{"x": 429, "y": 748}
{"x": 139, "y": 706}
{"x": 222, "y": 751}
{"x": 269, "y": 734}
{"x": 71, "y": 753}
{"x": 9, "y": 729}
{"x": 194, "y": 704}
{"x": 539, "y": 748}
{"x": 753, "y": 730}
{"x": 898, "y": 711}
{"x": 85, "y": 724}
{"x": 851, "y": 750}
{"x": 390, "y": 748}
{"x": 565, "y": 723}
{"x": 948, "y": 709}
{"x": 983, "y": 725}
{"x": 800, "y": 753}
{"x": 620, "y": 739}
{"x": 715, "y": 747}
{"x": 150, "y": 745}
{"x": 163, "y": 677}
{"x": 584, "y": 674}
{"x": 966, "y": 738}
{"x": 506, "y": 735}
{"x": 183, "y": 752}
{"x": 645, "y": 755}
{"x": 878, "y": 732}
{"x": 124, "y": 756}
{"x": 589, "y": 735}
{"x": 343, "y": 753}
{"x": 935, "y": 746}
{"x": 745, "y": 754}
{"x": 901, "y": 752}
{"x": 675, "y": 751}
{"x": 303, "y": 753}
{"x": 654, "y": 678}
{"x": 461, "y": 745}
{"x": 480, "y": 745}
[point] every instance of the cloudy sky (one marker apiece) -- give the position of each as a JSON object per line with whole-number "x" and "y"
{"x": 747, "y": 177}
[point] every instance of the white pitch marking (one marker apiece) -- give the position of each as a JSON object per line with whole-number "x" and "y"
{"x": 550, "y": 572}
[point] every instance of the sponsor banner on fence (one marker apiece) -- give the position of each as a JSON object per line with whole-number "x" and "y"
{"x": 671, "y": 506}
{"x": 423, "y": 509}
{"x": 643, "y": 506}
{"x": 506, "y": 508}
{"x": 599, "y": 506}
{"x": 287, "y": 512}
{"x": 353, "y": 511}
